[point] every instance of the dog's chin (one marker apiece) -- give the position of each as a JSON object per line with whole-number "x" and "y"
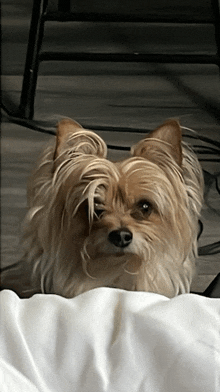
{"x": 113, "y": 264}
{"x": 118, "y": 270}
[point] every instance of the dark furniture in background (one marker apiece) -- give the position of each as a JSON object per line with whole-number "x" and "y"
{"x": 116, "y": 11}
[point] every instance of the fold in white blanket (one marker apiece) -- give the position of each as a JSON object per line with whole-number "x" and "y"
{"x": 109, "y": 340}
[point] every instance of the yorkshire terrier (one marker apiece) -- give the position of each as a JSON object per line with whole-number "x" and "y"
{"x": 130, "y": 224}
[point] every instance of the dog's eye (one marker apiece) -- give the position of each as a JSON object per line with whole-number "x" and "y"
{"x": 142, "y": 210}
{"x": 145, "y": 207}
{"x": 98, "y": 209}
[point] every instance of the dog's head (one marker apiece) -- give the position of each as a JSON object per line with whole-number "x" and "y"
{"x": 122, "y": 224}
{"x": 130, "y": 224}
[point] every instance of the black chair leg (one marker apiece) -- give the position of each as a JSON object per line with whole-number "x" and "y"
{"x": 26, "y": 107}
{"x": 216, "y": 12}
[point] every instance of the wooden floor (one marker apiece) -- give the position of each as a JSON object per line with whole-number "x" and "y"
{"x": 136, "y": 96}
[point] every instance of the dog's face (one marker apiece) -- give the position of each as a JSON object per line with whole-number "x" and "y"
{"x": 121, "y": 224}
{"x": 132, "y": 215}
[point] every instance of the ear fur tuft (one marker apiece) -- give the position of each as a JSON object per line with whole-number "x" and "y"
{"x": 64, "y": 128}
{"x": 72, "y": 136}
{"x": 166, "y": 138}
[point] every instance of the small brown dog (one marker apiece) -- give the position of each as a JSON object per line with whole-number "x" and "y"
{"x": 130, "y": 224}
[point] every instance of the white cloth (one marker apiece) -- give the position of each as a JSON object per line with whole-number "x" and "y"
{"x": 109, "y": 340}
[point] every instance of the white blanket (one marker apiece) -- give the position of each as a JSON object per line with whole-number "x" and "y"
{"x": 109, "y": 340}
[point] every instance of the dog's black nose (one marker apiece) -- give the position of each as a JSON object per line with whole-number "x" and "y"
{"x": 120, "y": 238}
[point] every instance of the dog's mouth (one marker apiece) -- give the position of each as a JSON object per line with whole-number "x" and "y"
{"x": 119, "y": 254}
{"x": 133, "y": 264}
{"x": 104, "y": 264}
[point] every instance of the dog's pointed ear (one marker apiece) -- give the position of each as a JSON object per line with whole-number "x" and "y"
{"x": 166, "y": 139}
{"x": 65, "y": 128}
{"x": 72, "y": 136}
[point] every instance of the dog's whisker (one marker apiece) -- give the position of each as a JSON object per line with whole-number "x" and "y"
{"x": 85, "y": 259}
{"x": 189, "y": 129}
